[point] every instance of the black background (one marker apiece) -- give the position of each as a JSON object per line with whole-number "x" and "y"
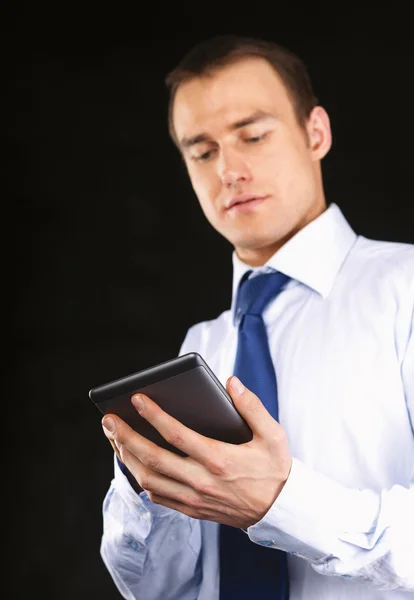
{"x": 108, "y": 258}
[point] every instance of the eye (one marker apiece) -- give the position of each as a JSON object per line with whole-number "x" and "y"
{"x": 203, "y": 157}
{"x": 255, "y": 139}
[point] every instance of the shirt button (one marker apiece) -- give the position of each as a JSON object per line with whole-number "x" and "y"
{"x": 265, "y": 543}
{"x": 134, "y": 545}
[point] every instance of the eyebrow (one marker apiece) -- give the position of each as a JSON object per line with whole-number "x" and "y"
{"x": 255, "y": 117}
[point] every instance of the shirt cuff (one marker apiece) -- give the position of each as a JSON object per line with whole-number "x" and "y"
{"x": 311, "y": 514}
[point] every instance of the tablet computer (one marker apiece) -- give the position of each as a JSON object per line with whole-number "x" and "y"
{"x": 184, "y": 387}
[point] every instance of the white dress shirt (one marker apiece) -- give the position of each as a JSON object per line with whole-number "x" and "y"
{"x": 342, "y": 341}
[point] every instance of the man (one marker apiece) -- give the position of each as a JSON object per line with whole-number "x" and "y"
{"x": 329, "y": 484}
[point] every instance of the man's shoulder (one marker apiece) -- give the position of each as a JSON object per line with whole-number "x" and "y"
{"x": 375, "y": 247}
{"x": 218, "y": 324}
{"x": 207, "y": 333}
{"x": 385, "y": 268}
{"x": 387, "y": 256}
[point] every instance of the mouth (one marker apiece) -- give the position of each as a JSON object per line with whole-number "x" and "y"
{"x": 246, "y": 202}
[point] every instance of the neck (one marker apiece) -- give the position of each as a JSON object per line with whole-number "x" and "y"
{"x": 257, "y": 257}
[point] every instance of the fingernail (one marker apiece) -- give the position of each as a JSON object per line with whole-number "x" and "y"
{"x": 237, "y": 385}
{"x": 109, "y": 424}
{"x": 138, "y": 402}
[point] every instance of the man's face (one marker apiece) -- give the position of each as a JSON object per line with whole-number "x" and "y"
{"x": 240, "y": 139}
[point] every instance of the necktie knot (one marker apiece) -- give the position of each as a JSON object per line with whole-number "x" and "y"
{"x": 255, "y": 293}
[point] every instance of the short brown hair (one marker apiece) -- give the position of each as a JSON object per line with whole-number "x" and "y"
{"x": 210, "y": 55}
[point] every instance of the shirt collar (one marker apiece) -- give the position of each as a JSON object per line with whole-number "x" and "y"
{"x": 313, "y": 256}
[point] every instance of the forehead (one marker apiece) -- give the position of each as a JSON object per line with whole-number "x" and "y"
{"x": 235, "y": 91}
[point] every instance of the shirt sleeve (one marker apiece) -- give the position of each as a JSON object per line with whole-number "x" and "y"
{"x": 150, "y": 551}
{"x": 358, "y": 534}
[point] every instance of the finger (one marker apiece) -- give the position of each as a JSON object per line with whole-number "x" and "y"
{"x": 189, "y": 508}
{"x": 185, "y": 509}
{"x": 156, "y": 483}
{"x": 251, "y": 408}
{"x": 185, "y": 439}
{"x": 115, "y": 449}
{"x": 111, "y": 440}
{"x": 149, "y": 454}
{"x": 200, "y": 513}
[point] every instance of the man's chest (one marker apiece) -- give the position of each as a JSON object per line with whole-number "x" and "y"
{"x": 340, "y": 393}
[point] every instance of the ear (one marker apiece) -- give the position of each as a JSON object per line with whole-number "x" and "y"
{"x": 319, "y": 133}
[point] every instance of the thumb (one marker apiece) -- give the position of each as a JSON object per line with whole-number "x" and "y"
{"x": 250, "y": 407}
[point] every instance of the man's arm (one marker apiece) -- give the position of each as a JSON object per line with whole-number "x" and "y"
{"x": 358, "y": 534}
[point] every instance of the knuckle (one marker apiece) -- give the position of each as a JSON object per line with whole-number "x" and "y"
{"x": 254, "y": 404}
{"x": 206, "y": 488}
{"x": 120, "y": 434}
{"x": 193, "y": 500}
{"x": 152, "y": 462}
{"x": 217, "y": 466}
{"x": 280, "y": 436}
{"x": 144, "y": 482}
{"x": 152, "y": 496}
{"x": 174, "y": 437}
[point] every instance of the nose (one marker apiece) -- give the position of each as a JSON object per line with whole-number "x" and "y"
{"x": 232, "y": 168}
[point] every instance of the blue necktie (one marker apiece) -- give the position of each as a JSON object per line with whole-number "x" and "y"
{"x": 248, "y": 570}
